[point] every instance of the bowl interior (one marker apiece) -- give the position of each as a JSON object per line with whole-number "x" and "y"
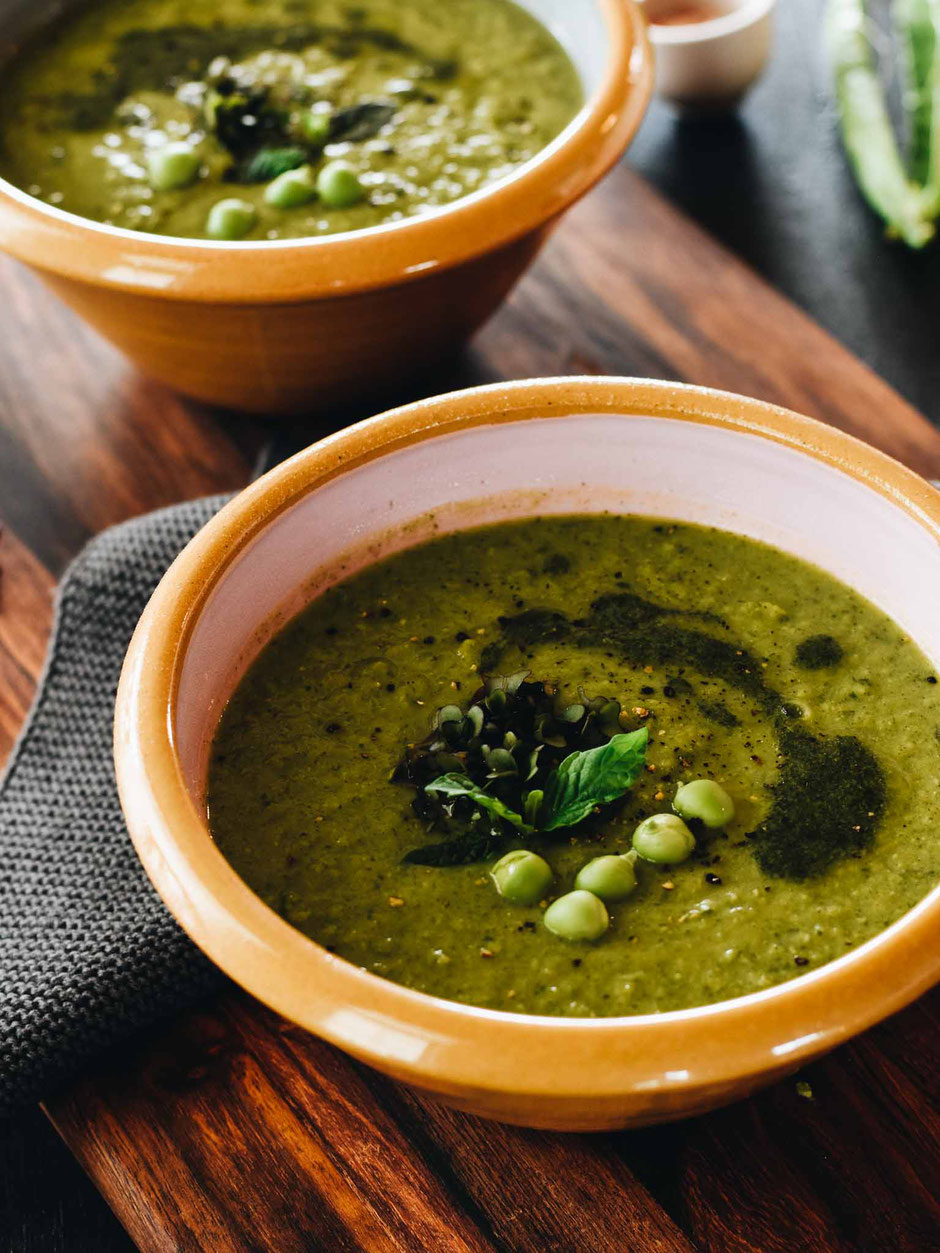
{"x": 589, "y": 462}
{"x": 580, "y": 29}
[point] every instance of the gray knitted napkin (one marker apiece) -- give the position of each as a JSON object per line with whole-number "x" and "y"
{"x": 88, "y": 952}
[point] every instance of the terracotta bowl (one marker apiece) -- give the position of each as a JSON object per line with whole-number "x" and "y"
{"x": 296, "y": 325}
{"x": 553, "y": 446}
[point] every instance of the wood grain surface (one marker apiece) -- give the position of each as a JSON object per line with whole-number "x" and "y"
{"x": 229, "y": 1129}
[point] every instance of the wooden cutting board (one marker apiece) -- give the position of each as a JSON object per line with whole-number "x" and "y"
{"x": 229, "y": 1129}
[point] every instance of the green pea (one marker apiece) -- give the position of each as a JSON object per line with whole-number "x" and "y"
{"x": 663, "y": 838}
{"x": 316, "y": 128}
{"x": 521, "y": 877}
{"x": 230, "y": 219}
{"x": 172, "y": 166}
{"x": 339, "y": 185}
{"x": 291, "y": 189}
{"x": 704, "y": 799}
{"x": 579, "y": 915}
{"x": 612, "y": 877}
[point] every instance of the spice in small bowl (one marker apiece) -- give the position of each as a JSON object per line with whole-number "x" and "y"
{"x": 685, "y": 14}
{"x": 708, "y": 52}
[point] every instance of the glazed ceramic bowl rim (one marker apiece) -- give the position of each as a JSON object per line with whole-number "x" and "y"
{"x": 479, "y": 1048}
{"x": 244, "y": 271}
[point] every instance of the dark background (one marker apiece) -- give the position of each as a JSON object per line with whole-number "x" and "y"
{"x": 772, "y": 184}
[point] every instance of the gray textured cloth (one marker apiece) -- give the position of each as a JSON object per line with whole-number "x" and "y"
{"x": 88, "y": 953}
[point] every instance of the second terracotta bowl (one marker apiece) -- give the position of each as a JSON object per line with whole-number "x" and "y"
{"x": 555, "y": 446}
{"x": 300, "y": 325}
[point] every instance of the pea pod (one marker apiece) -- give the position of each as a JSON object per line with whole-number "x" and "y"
{"x": 923, "y": 38}
{"x": 866, "y": 127}
{"x": 914, "y": 22}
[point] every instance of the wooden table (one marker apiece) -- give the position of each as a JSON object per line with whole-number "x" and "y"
{"x": 228, "y": 1129}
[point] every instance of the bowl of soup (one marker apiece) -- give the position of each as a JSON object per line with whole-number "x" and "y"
{"x": 566, "y": 748}
{"x": 284, "y": 206}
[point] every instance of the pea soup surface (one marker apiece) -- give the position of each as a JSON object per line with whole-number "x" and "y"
{"x": 420, "y": 101}
{"x": 748, "y": 667}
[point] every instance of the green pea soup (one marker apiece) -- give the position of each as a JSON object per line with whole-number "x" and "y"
{"x": 746, "y": 666}
{"x": 422, "y": 101}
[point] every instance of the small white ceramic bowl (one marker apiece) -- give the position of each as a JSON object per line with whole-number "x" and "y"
{"x": 705, "y": 66}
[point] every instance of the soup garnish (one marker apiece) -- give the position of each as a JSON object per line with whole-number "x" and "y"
{"x": 508, "y": 763}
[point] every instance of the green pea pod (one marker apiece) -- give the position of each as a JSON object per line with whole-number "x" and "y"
{"x": 866, "y": 127}
{"x": 913, "y": 21}
{"x": 932, "y": 109}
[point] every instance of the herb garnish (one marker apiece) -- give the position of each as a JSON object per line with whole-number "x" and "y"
{"x": 245, "y": 121}
{"x": 640, "y": 631}
{"x": 595, "y": 777}
{"x": 461, "y": 785}
{"x": 148, "y": 59}
{"x": 257, "y": 130}
{"x": 517, "y": 761}
{"x": 360, "y": 121}
{"x": 266, "y": 164}
{"x": 829, "y": 798}
{"x": 819, "y": 651}
{"x": 830, "y": 794}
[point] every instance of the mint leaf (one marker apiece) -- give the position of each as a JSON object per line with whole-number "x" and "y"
{"x": 463, "y": 850}
{"x": 360, "y": 121}
{"x": 461, "y": 785}
{"x": 596, "y": 777}
{"x": 268, "y": 163}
